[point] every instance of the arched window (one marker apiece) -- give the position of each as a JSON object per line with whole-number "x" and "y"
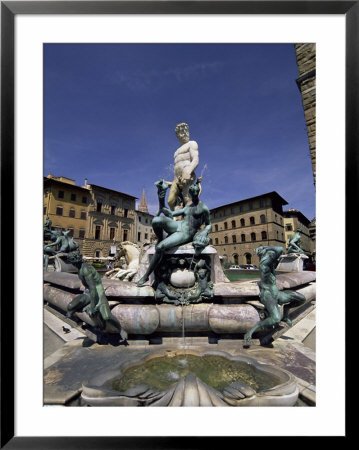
{"x": 235, "y": 258}
{"x": 264, "y": 235}
{"x": 225, "y": 225}
{"x": 233, "y": 224}
{"x": 251, "y": 220}
{"x": 243, "y": 222}
{"x": 263, "y": 218}
{"x": 234, "y": 238}
{"x": 216, "y": 228}
{"x": 248, "y": 257}
{"x": 216, "y": 241}
{"x": 243, "y": 237}
{"x": 72, "y": 212}
{"x": 226, "y": 239}
{"x": 253, "y": 236}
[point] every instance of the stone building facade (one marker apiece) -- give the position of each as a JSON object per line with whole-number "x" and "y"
{"x": 105, "y": 219}
{"x": 306, "y": 62}
{"x": 143, "y": 223}
{"x": 238, "y": 228}
{"x": 111, "y": 220}
{"x": 67, "y": 206}
{"x": 294, "y": 219}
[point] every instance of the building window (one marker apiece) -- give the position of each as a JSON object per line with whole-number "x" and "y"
{"x": 216, "y": 228}
{"x": 59, "y": 210}
{"x": 261, "y": 203}
{"x": 82, "y": 234}
{"x": 125, "y": 212}
{"x": 83, "y": 215}
{"x": 139, "y": 218}
{"x": 225, "y": 225}
{"x": 235, "y": 258}
{"x": 233, "y": 224}
{"x": 125, "y": 235}
{"x": 263, "y": 218}
{"x": 288, "y": 227}
{"x": 61, "y": 194}
{"x": 99, "y": 206}
{"x": 84, "y": 199}
{"x": 146, "y": 220}
{"x": 216, "y": 241}
{"x": 248, "y": 257}
{"x": 226, "y": 239}
{"x": 139, "y": 236}
{"x": 232, "y": 210}
{"x": 146, "y": 235}
{"x": 275, "y": 217}
{"x": 72, "y": 212}
{"x": 97, "y": 254}
{"x": 253, "y": 236}
{"x": 234, "y": 239}
{"x": 112, "y": 233}
{"x": 97, "y": 232}
{"x": 113, "y": 210}
{"x": 243, "y": 237}
{"x": 264, "y": 235}
{"x": 73, "y": 197}
{"x": 250, "y": 205}
{"x": 251, "y": 220}
{"x": 44, "y": 211}
{"x": 243, "y": 222}
{"x": 241, "y": 208}
{"x": 71, "y": 232}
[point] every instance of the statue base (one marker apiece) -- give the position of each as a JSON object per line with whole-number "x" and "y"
{"x": 184, "y": 276}
{"x": 293, "y": 262}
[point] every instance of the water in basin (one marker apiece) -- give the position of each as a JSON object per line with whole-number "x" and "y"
{"x": 216, "y": 371}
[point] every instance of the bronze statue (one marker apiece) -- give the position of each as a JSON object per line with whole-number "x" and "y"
{"x": 270, "y": 295}
{"x": 162, "y": 187}
{"x": 294, "y": 242}
{"x": 186, "y": 160}
{"x": 162, "y": 292}
{"x": 64, "y": 242}
{"x": 182, "y": 231}
{"x": 204, "y": 287}
{"x": 93, "y": 301}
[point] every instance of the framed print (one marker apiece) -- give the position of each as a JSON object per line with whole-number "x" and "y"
{"x": 35, "y": 38}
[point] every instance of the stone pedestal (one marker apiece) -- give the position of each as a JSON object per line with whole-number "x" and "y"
{"x": 217, "y": 274}
{"x": 293, "y": 262}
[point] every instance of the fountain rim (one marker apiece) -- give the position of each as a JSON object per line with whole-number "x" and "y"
{"x": 98, "y": 381}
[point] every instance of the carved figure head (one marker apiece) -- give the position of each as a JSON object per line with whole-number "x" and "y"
{"x": 74, "y": 257}
{"x": 194, "y": 190}
{"x": 182, "y": 131}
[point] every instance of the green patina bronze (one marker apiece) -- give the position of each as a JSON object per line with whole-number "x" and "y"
{"x": 270, "y": 295}
{"x": 294, "y": 242}
{"x": 93, "y": 301}
{"x": 204, "y": 289}
{"x": 180, "y": 232}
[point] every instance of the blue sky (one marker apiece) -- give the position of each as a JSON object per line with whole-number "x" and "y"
{"x": 110, "y": 111}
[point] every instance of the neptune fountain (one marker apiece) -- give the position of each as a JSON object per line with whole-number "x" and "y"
{"x": 192, "y": 337}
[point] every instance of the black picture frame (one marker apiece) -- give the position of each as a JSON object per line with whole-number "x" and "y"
{"x": 9, "y": 9}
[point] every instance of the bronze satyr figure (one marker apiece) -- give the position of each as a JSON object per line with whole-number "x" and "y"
{"x": 270, "y": 295}
{"x": 93, "y": 301}
{"x": 180, "y": 232}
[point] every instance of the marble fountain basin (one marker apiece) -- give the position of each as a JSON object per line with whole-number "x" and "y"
{"x": 191, "y": 378}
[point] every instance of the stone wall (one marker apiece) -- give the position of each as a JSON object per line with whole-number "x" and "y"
{"x": 306, "y": 62}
